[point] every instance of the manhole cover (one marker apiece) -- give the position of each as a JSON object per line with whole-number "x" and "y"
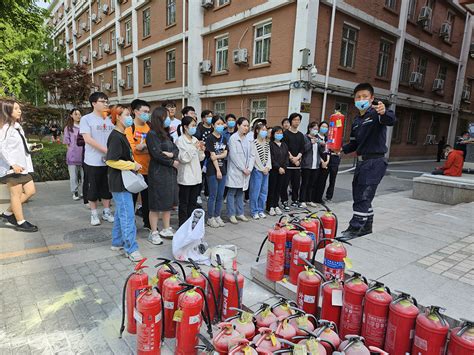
{"x": 87, "y": 235}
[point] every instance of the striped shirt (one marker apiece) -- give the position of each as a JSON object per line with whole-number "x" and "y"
{"x": 262, "y": 154}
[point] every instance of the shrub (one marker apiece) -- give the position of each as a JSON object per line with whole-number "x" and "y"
{"x": 50, "y": 163}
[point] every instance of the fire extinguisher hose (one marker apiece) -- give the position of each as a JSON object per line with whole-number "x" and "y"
{"x": 213, "y": 292}
{"x": 122, "y": 325}
{"x": 261, "y": 247}
{"x": 162, "y": 318}
{"x": 239, "y": 300}
{"x": 209, "y": 325}
{"x": 181, "y": 268}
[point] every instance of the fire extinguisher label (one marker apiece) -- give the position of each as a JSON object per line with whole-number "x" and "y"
{"x": 194, "y": 319}
{"x": 375, "y": 328}
{"x": 336, "y": 298}
{"x": 327, "y": 231}
{"x": 168, "y": 305}
{"x": 158, "y": 317}
{"x": 421, "y": 343}
{"x": 138, "y": 316}
{"x": 225, "y": 292}
{"x": 309, "y": 299}
{"x": 351, "y": 317}
{"x": 334, "y": 264}
{"x": 271, "y": 248}
{"x": 338, "y": 123}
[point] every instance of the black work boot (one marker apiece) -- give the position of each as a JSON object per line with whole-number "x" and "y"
{"x": 351, "y": 233}
{"x": 367, "y": 229}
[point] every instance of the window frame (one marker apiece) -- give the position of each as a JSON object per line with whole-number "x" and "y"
{"x": 113, "y": 40}
{"x": 129, "y": 75}
{"x": 218, "y": 111}
{"x": 221, "y": 3}
{"x": 170, "y": 13}
{"x": 112, "y": 6}
{"x": 406, "y": 60}
{"x": 128, "y": 32}
{"x": 254, "y": 113}
{"x": 261, "y": 39}
{"x": 100, "y": 48}
{"x": 391, "y": 4}
{"x": 397, "y": 130}
{"x": 221, "y": 54}
{"x": 422, "y": 68}
{"x": 168, "y": 65}
{"x": 101, "y": 82}
{"x": 146, "y": 24}
{"x": 442, "y": 74}
{"x": 345, "y": 43}
{"x": 384, "y": 58}
{"x": 114, "y": 78}
{"x": 412, "y": 10}
{"x": 145, "y": 82}
{"x": 412, "y": 130}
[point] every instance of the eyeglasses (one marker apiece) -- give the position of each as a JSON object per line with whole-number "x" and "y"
{"x": 104, "y": 101}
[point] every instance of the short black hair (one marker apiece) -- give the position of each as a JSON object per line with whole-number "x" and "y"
{"x": 364, "y": 86}
{"x": 230, "y": 115}
{"x": 241, "y": 120}
{"x": 284, "y": 120}
{"x": 96, "y": 96}
{"x": 186, "y": 109}
{"x": 274, "y": 130}
{"x": 205, "y": 113}
{"x": 446, "y": 146}
{"x": 217, "y": 118}
{"x": 294, "y": 115}
{"x": 138, "y": 103}
{"x": 168, "y": 103}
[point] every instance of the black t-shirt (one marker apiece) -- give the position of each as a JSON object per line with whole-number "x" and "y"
{"x": 295, "y": 143}
{"x": 118, "y": 148}
{"x": 203, "y": 132}
{"x": 218, "y": 146}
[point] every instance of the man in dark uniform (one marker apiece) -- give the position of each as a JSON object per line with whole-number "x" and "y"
{"x": 368, "y": 140}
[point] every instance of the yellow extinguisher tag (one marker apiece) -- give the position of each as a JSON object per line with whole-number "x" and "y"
{"x": 154, "y": 281}
{"x": 195, "y": 274}
{"x": 348, "y": 263}
{"x": 273, "y": 339}
{"x": 178, "y": 315}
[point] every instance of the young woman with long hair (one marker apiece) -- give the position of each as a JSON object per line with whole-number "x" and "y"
{"x": 276, "y": 180}
{"x": 75, "y": 153}
{"x": 16, "y": 166}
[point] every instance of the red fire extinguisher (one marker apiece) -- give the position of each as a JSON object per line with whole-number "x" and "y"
{"x": 336, "y": 131}
{"x": 401, "y": 324}
{"x": 332, "y": 292}
{"x": 283, "y": 328}
{"x": 351, "y": 315}
{"x": 313, "y": 344}
{"x": 375, "y": 315}
{"x": 243, "y": 323}
{"x": 232, "y": 293}
{"x": 291, "y": 231}
{"x": 264, "y": 316}
{"x": 242, "y": 347}
{"x": 149, "y": 321}
{"x": 354, "y": 345}
{"x": 462, "y": 339}
{"x": 266, "y": 340}
{"x": 163, "y": 270}
{"x": 329, "y": 222}
{"x": 431, "y": 331}
{"x": 135, "y": 283}
{"x": 302, "y": 322}
{"x": 284, "y": 307}
{"x": 335, "y": 255}
{"x": 275, "y": 253}
{"x": 327, "y": 332}
{"x": 307, "y": 288}
{"x": 216, "y": 279}
{"x": 304, "y": 244}
{"x": 189, "y": 320}
{"x": 171, "y": 287}
{"x": 224, "y": 337}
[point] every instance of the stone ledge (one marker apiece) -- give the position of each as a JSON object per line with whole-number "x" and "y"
{"x": 444, "y": 189}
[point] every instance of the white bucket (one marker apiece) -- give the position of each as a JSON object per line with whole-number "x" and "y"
{"x": 227, "y": 253}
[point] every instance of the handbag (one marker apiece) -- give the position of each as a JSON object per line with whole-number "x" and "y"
{"x": 133, "y": 182}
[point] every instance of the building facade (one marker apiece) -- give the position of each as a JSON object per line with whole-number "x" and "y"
{"x": 266, "y": 58}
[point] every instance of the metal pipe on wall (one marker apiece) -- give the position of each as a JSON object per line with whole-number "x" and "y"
{"x": 183, "y": 79}
{"x": 329, "y": 58}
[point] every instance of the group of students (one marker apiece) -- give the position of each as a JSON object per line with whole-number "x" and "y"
{"x": 225, "y": 156}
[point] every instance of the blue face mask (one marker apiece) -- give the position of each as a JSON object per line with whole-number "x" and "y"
{"x": 128, "y": 121}
{"x": 231, "y": 124}
{"x": 167, "y": 122}
{"x": 208, "y": 120}
{"x": 192, "y": 131}
{"x": 263, "y": 134}
{"x": 279, "y": 136}
{"x": 362, "y": 105}
{"x": 219, "y": 129}
{"x": 314, "y": 132}
{"x": 323, "y": 130}
{"x": 144, "y": 116}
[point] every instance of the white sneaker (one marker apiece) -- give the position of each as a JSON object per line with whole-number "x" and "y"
{"x": 154, "y": 238}
{"x": 95, "y": 221}
{"x": 167, "y": 233}
{"x": 303, "y": 204}
{"x": 278, "y": 211}
{"x": 272, "y": 212}
{"x": 220, "y": 222}
{"x": 135, "y": 256}
{"x": 114, "y": 248}
{"x": 256, "y": 216}
{"x": 199, "y": 200}
{"x": 243, "y": 218}
{"x": 211, "y": 222}
{"x": 262, "y": 215}
{"x": 107, "y": 216}
{"x": 75, "y": 196}
{"x": 312, "y": 204}
{"x": 233, "y": 220}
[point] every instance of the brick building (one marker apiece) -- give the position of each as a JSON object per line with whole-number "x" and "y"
{"x": 267, "y": 57}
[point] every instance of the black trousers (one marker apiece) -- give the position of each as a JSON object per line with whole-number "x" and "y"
{"x": 187, "y": 201}
{"x": 439, "y": 155}
{"x": 320, "y": 186}
{"x": 145, "y": 207}
{"x": 333, "y": 169}
{"x": 276, "y": 182}
{"x": 293, "y": 177}
{"x": 85, "y": 184}
{"x": 309, "y": 178}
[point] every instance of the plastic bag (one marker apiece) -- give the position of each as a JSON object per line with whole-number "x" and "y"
{"x": 188, "y": 240}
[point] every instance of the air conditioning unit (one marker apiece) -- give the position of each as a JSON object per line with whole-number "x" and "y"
{"x": 94, "y": 54}
{"x": 438, "y": 84}
{"x": 445, "y": 30}
{"x": 121, "y": 41}
{"x": 425, "y": 14}
{"x": 108, "y": 86}
{"x": 205, "y": 67}
{"x": 416, "y": 78}
{"x": 121, "y": 83}
{"x": 106, "y": 48}
{"x": 240, "y": 56}
{"x": 207, "y": 4}
{"x": 85, "y": 59}
{"x": 94, "y": 18}
{"x": 105, "y": 8}
{"x": 466, "y": 93}
{"x": 84, "y": 26}
{"x": 61, "y": 42}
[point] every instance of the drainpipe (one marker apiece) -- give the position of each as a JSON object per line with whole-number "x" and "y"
{"x": 183, "y": 79}
{"x": 328, "y": 63}
{"x": 90, "y": 41}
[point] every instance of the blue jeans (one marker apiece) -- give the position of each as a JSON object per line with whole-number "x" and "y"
{"x": 258, "y": 191}
{"x": 124, "y": 231}
{"x": 235, "y": 201}
{"x": 216, "y": 195}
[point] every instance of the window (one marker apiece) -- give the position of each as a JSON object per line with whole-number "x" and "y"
{"x": 114, "y": 78}
{"x": 427, "y": 23}
{"x": 391, "y": 4}
{"x": 147, "y": 71}
{"x": 222, "y": 54}
{"x": 412, "y": 127}
{"x": 146, "y": 22}
{"x": 219, "y": 108}
{"x": 348, "y": 46}
{"x": 99, "y": 9}
{"x": 412, "y": 10}
{"x": 222, "y": 2}
{"x": 397, "y": 131}
{"x": 263, "y": 34}
{"x": 129, "y": 81}
{"x": 128, "y": 32}
{"x": 405, "y": 70}
{"x": 450, "y": 21}
{"x": 421, "y": 68}
{"x": 258, "y": 108}
{"x": 101, "y": 82}
{"x": 171, "y": 65}
{"x": 79, "y": 54}
{"x": 112, "y": 5}
{"x": 384, "y": 58}
{"x": 442, "y": 71}
{"x": 100, "y": 49}
{"x": 170, "y": 12}
{"x": 342, "y": 107}
{"x": 434, "y": 127}
{"x": 113, "y": 41}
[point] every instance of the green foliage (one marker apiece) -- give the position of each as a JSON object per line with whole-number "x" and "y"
{"x": 50, "y": 163}
{"x": 35, "y": 118}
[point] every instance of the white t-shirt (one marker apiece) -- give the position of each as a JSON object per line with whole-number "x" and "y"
{"x": 99, "y": 129}
{"x": 174, "y": 128}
